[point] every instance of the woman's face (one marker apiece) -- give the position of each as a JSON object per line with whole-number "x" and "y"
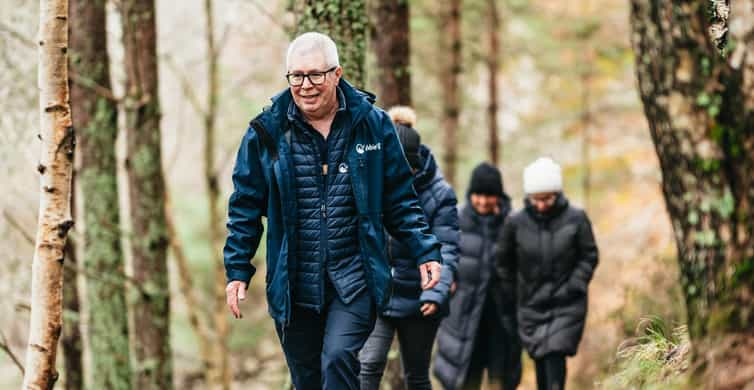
{"x": 543, "y": 201}
{"x": 485, "y": 204}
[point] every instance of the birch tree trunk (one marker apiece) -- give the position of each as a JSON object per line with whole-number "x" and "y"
{"x": 346, "y": 23}
{"x": 95, "y": 117}
{"x": 55, "y": 168}
{"x": 151, "y": 309}
{"x": 700, "y": 109}
{"x": 392, "y": 47}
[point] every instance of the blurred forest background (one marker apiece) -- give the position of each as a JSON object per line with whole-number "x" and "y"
{"x": 565, "y": 77}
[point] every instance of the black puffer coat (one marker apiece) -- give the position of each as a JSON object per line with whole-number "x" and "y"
{"x": 476, "y": 281}
{"x": 547, "y": 261}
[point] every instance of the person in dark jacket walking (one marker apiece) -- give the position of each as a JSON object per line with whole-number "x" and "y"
{"x": 326, "y": 168}
{"x": 546, "y": 257}
{"x": 480, "y": 332}
{"x": 414, "y": 314}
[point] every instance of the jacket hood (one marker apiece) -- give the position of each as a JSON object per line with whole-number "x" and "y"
{"x": 429, "y": 172}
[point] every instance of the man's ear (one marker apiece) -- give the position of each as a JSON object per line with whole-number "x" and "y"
{"x": 339, "y": 71}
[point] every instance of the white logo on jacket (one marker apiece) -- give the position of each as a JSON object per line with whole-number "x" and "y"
{"x": 361, "y": 148}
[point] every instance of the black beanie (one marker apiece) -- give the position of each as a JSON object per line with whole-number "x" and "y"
{"x": 410, "y": 140}
{"x": 486, "y": 179}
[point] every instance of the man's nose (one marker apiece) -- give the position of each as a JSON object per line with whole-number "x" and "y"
{"x": 307, "y": 83}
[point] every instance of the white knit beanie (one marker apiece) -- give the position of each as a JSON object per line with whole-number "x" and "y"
{"x": 543, "y": 175}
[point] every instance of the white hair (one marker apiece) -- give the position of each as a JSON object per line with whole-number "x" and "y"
{"x": 311, "y": 41}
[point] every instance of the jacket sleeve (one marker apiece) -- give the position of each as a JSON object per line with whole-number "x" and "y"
{"x": 402, "y": 216}
{"x": 445, "y": 228}
{"x": 246, "y": 207}
{"x": 505, "y": 260}
{"x": 588, "y": 257}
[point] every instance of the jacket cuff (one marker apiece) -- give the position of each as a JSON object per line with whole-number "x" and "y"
{"x": 240, "y": 275}
{"x": 432, "y": 255}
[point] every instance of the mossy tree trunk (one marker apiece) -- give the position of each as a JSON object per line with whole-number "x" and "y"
{"x": 392, "y": 47}
{"x": 346, "y": 23}
{"x": 700, "y": 108}
{"x": 95, "y": 117}
{"x": 54, "y": 221}
{"x": 149, "y": 240}
{"x": 71, "y": 341}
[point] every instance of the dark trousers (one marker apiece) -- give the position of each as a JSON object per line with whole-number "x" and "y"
{"x": 551, "y": 372}
{"x": 498, "y": 350}
{"x": 322, "y": 349}
{"x": 416, "y": 335}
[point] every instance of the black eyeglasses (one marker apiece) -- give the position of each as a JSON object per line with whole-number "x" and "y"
{"x": 316, "y": 78}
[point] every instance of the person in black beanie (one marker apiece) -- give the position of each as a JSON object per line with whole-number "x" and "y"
{"x": 480, "y": 332}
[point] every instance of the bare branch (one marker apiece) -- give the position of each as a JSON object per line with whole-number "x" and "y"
{"x": 268, "y": 14}
{"x": 186, "y": 85}
{"x": 17, "y": 35}
{"x": 6, "y": 347}
{"x": 17, "y": 225}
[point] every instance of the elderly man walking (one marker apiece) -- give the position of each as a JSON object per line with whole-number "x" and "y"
{"x": 326, "y": 169}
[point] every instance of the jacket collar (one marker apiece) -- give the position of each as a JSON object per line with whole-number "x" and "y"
{"x": 354, "y": 101}
{"x": 561, "y": 204}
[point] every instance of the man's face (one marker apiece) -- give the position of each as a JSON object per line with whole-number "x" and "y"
{"x": 314, "y": 100}
{"x": 485, "y": 204}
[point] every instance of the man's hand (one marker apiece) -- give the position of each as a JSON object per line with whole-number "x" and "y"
{"x": 453, "y": 287}
{"x": 233, "y": 292}
{"x": 428, "y": 309}
{"x": 430, "y": 273}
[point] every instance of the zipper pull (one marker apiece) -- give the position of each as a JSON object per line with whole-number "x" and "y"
{"x": 323, "y": 208}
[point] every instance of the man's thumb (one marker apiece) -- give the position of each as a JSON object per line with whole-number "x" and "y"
{"x": 242, "y": 291}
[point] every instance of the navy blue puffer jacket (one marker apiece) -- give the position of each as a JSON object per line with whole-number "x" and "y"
{"x": 438, "y": 201}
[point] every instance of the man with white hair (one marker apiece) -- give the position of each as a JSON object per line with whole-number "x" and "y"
{"x": 326, "y": 168}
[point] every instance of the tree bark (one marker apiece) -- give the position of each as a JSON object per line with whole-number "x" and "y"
{"x": 451, "y": 23}
{"x": 151, "y": 309}
{"x": 218, "y": 371}
{"x": 73, "y": 362}
{"x": 346, "y": 23}
{"x": 700, "y": 109}
{"x": 493, "y": 64}
{"x": 392, "y": 48}
{"x": 95, "y": 117}
{"x": 54, "y": 221}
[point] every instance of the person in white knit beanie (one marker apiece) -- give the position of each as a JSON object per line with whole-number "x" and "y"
{"x": 542, "y": 176}
{"x": 546, "y": 256}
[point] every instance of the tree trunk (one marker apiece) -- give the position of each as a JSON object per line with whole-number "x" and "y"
{"x": 346, "y": 23}
{"x": 493, "y": 63}
{"x": 55, "y": 168}
{"x": 73, "y": 363}
{"x": 700, "y": 108}
{"x": 151, "y": 309}
{"x": 451, "y": 23}
{"x": 218, "y": 372}
{"x": 193, "y": 305}
{"x": 95, "y": 117}
{"x": 586, "y": 145}
{"x": 392, "y": 48}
